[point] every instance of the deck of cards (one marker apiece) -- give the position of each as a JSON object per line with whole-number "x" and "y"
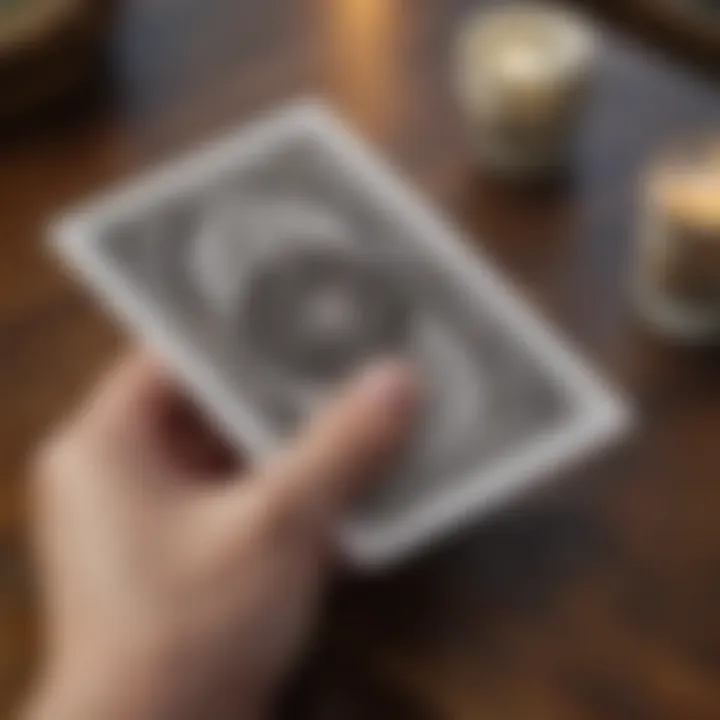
{"x": 270, "y": 264}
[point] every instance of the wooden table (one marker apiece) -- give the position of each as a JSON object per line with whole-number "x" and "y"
{"x": 598, "y": 600}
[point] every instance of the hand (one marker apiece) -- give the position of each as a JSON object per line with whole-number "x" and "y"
{"x": 177, "y": 585}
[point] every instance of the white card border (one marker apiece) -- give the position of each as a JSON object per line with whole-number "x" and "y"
{"x": 601, "y": 415}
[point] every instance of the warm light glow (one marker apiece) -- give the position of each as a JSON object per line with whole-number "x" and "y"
{"x": 364, "y": 45}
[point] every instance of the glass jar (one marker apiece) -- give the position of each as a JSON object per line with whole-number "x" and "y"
{"x": 678, "y": 257}
{"x": 523, "y": 72}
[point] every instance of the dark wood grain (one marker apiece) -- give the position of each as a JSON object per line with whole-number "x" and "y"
{"x": 598, "y": 599}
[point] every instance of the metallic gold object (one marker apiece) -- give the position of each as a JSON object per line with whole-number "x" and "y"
{"x": 522, "y": 73}
{"x": 678, "y": 263}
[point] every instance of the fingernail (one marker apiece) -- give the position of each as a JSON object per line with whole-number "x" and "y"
{"x": 393, "y": 383}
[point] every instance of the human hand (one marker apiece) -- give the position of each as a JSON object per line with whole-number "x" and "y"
{"x": 179, "y": 585}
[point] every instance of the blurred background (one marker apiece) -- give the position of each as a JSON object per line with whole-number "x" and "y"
{"x": 597, "y": 600}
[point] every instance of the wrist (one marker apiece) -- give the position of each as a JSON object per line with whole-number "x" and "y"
{"x": 98, "y": 678}
{"x": 95, "y": 693}
{"x": 120, "y": 688}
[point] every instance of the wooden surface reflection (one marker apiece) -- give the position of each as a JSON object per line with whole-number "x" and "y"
{"x": 597, "y": 600}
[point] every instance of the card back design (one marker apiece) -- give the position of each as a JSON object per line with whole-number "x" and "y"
{"x": 269, "y": 265}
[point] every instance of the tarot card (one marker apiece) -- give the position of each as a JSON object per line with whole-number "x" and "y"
{"x": 269, "y": 265}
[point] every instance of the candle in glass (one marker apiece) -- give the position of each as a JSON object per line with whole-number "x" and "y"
{"x": 678, "y": 258}
{"x": 522, "y": 75}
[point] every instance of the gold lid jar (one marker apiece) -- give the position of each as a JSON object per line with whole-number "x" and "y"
{"x": 522, "y": 74}
{"x": 678, "y": 258}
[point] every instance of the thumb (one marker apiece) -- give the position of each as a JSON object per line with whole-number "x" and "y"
{"x": 355, "y": 436}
